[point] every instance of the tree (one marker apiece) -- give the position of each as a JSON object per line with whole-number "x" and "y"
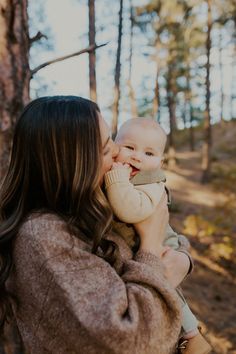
{"x": 194, "y": 39}
{"x": 156, "y": 99}
{"x": 92, "y": 54}
{"x": 117, "y": 74}
{"x": 221, "y": 78}
{"x": 227, "y": 19}
{"x": 14, "y": 71}
{"x": 206, "y": 153}
{"x": 131, "y": 90}
{"x": 188, "y": 100}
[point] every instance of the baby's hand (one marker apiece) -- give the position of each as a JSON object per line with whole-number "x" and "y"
{"x": 117, "y": 165}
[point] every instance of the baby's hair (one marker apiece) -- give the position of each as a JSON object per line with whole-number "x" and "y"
{"x": 145, "y": 123}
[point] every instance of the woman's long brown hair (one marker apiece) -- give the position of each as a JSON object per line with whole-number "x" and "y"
{"x": 55, "y": 166}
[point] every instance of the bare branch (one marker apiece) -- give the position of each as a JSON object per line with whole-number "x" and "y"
{"x": 85, "y": 50}
{"x": 37, "y": 37}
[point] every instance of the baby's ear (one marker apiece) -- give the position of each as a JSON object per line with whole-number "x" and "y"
{"x": 162, "y": 160}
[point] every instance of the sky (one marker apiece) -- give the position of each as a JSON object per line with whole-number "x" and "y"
{"x": 67, "y": 22}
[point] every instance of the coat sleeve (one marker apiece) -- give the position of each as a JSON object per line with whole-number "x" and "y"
{"x": 131, "y": 204}
{"x": 89, "y": 308}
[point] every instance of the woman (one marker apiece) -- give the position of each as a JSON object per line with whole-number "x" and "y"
{"x": 75, "y": 287}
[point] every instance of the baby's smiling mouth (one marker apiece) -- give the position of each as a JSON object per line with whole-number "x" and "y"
{"x": 134, "y": 171}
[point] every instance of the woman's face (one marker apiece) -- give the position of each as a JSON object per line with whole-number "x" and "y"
{"x": 109, "y": 148}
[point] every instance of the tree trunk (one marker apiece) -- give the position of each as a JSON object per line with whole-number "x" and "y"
{"x": 185, "y": 111}
{"x": 171, "y": 150}
{"x": 117, "y": 75}
{"x": 206, "y": 151}
{"x": 14, "y": 94}
{"x": 233, "y": 69}
{"x": 133, "y": 104}
{"x": 92, "y": 55}
{"x": 14, "y": 71}
{"x": 221, "y": 79}
{"x": 191, "y": 130}
{"x": 190, "y": 109}
{"x": 156, "y": 100}
{"x": 172, "y": 124}
{"x": 233, "y": 66}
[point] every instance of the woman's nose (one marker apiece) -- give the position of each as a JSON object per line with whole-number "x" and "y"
{"x": 115, "y": 150}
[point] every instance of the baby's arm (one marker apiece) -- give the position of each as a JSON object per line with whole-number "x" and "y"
{"x": 131, "y": 204}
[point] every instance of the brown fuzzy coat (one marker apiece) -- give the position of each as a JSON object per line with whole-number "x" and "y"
{"x": 72, "y": 301}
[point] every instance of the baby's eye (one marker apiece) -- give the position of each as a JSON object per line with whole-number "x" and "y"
{"x": 129, "y": 147}
{"x": 148, "y": 153}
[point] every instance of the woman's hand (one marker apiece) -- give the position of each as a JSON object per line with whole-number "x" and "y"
{"x": 176, "y": 266}
{"x": 152, "y": 230}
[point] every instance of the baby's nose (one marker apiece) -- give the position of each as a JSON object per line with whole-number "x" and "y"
{"x": 136, "y": 157}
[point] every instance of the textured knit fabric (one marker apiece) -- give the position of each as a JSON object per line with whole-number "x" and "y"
{"x": 131, "y": 203}
{"x": 144, "y": 177}
{"x": 72, "y": 301}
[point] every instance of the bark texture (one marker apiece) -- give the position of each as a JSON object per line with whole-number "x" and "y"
{"x": 172, "y": 121}
{"x": 206, "y": 150}
{"x": 133, "y": 105}
{"x": 14, "y": 71}
{"x": 117, "y": 75}
{"x": 92, "y": 54}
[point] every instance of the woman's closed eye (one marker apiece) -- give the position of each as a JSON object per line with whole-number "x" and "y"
{"x": 106, "y": 151}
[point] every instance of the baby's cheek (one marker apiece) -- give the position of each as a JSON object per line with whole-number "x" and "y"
{"x": 121, "y": 158}
{"x": 155, "y": 164}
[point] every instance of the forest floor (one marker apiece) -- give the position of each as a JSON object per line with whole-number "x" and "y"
{"x": 206, "y": 214}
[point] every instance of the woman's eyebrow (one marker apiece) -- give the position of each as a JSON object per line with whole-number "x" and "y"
{"x": 106, "y": 142}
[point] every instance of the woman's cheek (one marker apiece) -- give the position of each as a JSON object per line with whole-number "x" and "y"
{"x": 104, "y": 170}
{"x": 122, "y": 157}
{"x": 107, "y": 164}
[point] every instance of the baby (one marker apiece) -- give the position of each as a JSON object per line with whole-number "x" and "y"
{"x": 134, "y": 188}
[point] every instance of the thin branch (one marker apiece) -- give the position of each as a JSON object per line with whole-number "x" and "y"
{"x": 37, "y": 37}
{"x": 85, "y": 50}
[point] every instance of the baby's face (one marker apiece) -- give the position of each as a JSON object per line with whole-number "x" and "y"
{"x": 141, "y": 147}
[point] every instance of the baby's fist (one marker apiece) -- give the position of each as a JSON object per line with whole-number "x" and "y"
{"x": 119, "y": 165}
